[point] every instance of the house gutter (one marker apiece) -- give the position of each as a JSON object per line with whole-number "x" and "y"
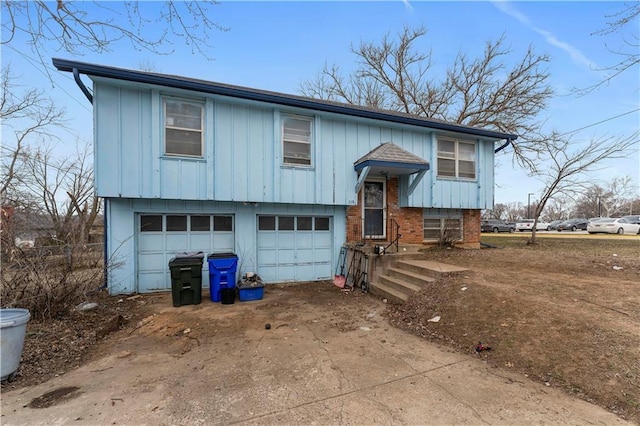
{"x": 76, "y": 77}
{"x": 264, "y": 96}
{"x": 506, "y": 144}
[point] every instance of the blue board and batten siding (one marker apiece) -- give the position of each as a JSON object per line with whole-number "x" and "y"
{"x": 241, "y": 174}
{"x": 242, "y": 156}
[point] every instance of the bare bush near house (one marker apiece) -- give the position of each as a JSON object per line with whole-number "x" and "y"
{"x": 449, "y": 235}
{"x": 51, "y": 281}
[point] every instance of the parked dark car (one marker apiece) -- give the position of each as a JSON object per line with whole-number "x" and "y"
{"x": 573, "y": 224}
{"x": 496, "y": 225}
{"x": 553, "y": 226}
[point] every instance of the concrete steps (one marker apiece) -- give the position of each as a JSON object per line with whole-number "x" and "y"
{"x": 406, "y": 277}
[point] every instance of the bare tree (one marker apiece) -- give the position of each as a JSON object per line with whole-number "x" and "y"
{"x": 482, "y": 91}
{"x": 76, "y": 27}
{"x": 629, "y": 49}
{"x": 563, "y": 166}
{"x": 609, "y": 200}
{"x": 25, "y": 115}
{"x": 558, "y": 207}
{"x": 66, "y": 191}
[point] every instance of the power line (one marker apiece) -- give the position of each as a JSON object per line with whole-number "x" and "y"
{"x": 602, "y": 121}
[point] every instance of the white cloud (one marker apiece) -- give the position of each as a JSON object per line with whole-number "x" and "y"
{"x": 575, "y": 54}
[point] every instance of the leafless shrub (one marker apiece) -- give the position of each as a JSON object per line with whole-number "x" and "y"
{"x": 450, "y": 234}
{"x": 50, "y": 281}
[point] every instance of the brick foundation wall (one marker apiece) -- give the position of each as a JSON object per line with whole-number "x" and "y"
{"x": 471, "y": 226}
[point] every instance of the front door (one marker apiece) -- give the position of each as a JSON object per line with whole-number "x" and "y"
{"x": 374, "y": 203}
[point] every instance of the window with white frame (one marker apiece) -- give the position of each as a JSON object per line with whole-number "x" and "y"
{"x": 439, "y": 223}
{"x": 456, "y": 158}
{"x": 183, "y": 133}
{"x": 296, "y": 140}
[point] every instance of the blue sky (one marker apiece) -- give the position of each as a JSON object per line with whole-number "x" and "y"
{"x": 277, "y": 45}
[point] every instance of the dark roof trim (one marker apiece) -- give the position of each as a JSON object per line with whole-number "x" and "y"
{"x": 391, "y": 164}
{"x": 264, "y": 96}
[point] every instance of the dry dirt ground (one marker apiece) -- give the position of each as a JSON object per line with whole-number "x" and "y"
{"x": 565, "y": 313}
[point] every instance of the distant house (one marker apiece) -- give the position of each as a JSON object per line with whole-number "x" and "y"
{"x": 283, "y": 181}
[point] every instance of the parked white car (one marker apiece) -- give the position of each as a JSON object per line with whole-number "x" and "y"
{"x": 527, "y": 225}
{"x": 613, "y": 226}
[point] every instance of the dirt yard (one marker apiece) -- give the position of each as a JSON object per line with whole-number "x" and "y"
{"x": 565, "y": 313}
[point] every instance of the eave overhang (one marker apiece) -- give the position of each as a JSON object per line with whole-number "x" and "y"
{"x": 269, "y": 97}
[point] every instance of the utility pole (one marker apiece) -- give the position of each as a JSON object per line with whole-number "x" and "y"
{"x": 529, "y": 205}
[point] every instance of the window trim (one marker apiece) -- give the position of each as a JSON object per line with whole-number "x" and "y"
{"x": 165, "y": 126}
{"x": 456, "y": 158}
{"x": 311, "y": 121}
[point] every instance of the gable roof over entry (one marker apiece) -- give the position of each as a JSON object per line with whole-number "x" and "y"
{"x": 388, "y": 159}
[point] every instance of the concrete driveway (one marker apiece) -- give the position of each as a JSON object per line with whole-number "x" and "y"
{"x": 329, "y": 357}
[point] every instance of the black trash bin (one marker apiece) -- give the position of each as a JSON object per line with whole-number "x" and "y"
{"x": 186, "y": 278}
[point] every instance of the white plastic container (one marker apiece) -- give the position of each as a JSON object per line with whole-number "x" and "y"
{"x": 13, "y": 327}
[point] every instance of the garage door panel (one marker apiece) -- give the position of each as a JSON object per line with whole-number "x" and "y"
{"x": 154, "y": 261}
{"x": 304, "y": 240}
{"x": 177, "y": 243}
{"x": 224, "y": 242}
{"x": 305, "y": 271}
{"x": 155, "y": 281}
{"x": 322, "y": 253}
{"x": 267, "y": 240}
{"x": 268, "y": 273}
{"x": 286, "y": 271}
{"x": 323, "y": 271}
{"x": 298, "y": 255}
{"x": 151, "y": 242}
{"x": 322, "y": 239}
{"x": 286, "y": 239}
{"x": 268, "y": 257}
{"x": 200, "y": 242}
{"x": 286, "y": 256}
{"x": 156, "y": 248}
{"x": 305, "y": 255}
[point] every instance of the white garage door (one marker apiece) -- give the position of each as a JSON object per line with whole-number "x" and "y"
{"x": 294, "y": 248}
{"x": 161, "y": 236}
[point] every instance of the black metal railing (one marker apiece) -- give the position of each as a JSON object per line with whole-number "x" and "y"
{"x": 394, "y": 237}
{"x": 387, "y": 232}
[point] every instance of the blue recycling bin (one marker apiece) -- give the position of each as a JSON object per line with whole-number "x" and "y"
{"x": 222, "y": 273}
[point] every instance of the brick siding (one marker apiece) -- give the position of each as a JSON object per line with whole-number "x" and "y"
{"x": 410, "y": 220}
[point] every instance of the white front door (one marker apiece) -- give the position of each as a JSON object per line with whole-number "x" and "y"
{"x": 374, "y": 208}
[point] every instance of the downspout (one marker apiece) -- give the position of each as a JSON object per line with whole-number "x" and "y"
{"x": 76, "y": 77}
{"x": 506, "y": 144}
{"x": 105, "y": 284}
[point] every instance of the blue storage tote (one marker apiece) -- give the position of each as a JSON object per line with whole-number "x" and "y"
{"x": 250, "y": 293}
{"x": 250, "y": 287}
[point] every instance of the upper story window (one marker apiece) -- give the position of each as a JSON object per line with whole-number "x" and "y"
{"x": 456, "y": 158}
{"x": 183, "y": 128}
{"x": 296, "y": 140}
